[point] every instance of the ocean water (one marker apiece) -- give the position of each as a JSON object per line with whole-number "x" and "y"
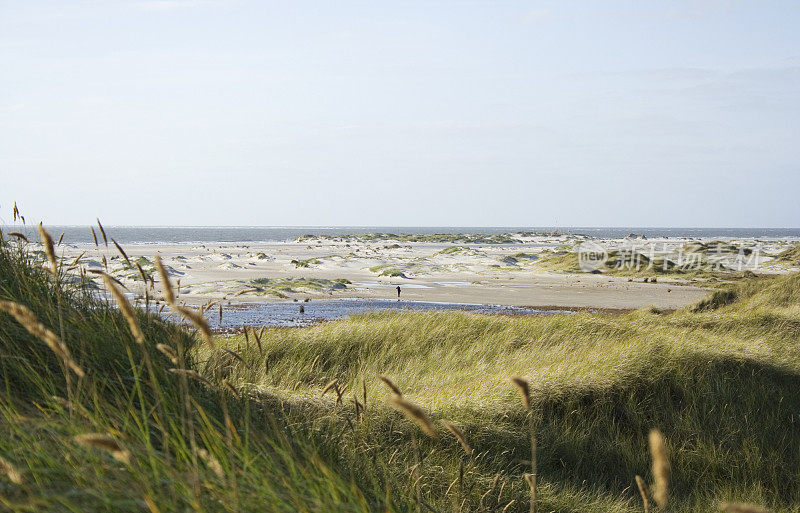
{"x": 245, "y": 234}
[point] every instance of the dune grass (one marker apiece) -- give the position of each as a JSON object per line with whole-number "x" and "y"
{"x": 297, "y": 419}
{"x": 134, "y": 433}
{"x": 722, "y": 382}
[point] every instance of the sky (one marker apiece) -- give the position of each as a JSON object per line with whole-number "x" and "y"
{"x": 444, "y": 113}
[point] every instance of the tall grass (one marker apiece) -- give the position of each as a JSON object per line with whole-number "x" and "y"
{"x": 128, "y": 436}
{"x": 304, "y": 419}
{"x": 721, "y": 383}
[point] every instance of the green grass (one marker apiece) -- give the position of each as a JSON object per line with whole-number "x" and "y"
{"x": 310, "y": 261}
{"x": 642, "y": 265}
{"x": 390, "y": 270}
{"x": 791, "y": 255}
{"x": 291, "y": 285}
{"x": 721, "y": 380}
{"x": 163, "y": 419}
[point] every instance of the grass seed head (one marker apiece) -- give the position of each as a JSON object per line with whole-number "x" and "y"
{"x": 102, "y": 232}
{"x": 105, "y": 442}
{"x": 122, "y": 252}
{"x": 191, "y": 374}
{"x": 169, "y": 295}
{"x": 10, "y": 471}
{"x": 414, "y": 413}
{"x": 212, "y": 463}
{"x": 459, "y": 436}
{"x": 388, "y": 382}
{"x": 231, "y": 388}
{"x": 26, "y": 318}
{"x": 199, "y": 322}
{"x": 126, "y": 309}
{"x": 47, "y": 241}
{"x": 328, "y": 387}
{"x": 658, "y": 452}
{"x": 18, "y": 235}
{"x": 738, "y": 507}
{"x": 168, "y": 352}
{"x": 643, "y": 492}
{"x": 524, "y": 391}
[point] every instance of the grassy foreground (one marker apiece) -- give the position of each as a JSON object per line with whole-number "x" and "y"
{"x": 245, "y": 426}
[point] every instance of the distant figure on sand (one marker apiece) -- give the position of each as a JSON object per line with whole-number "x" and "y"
{"x": 398, "y": 292}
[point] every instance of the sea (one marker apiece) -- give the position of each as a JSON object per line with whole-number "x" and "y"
{"x": 252, "y": 234}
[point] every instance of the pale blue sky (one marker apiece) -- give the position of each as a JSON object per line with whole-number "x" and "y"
{"x": 468, "y": 113}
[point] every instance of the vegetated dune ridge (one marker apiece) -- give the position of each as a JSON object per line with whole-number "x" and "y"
{"x": 242, "y": 426}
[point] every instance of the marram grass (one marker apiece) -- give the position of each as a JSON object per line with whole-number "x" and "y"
{"x": 162, "y": 421}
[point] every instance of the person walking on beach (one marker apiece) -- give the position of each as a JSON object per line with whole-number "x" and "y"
{"x": 398, "y": 292}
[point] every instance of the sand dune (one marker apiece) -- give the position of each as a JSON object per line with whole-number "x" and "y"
{"x": 509, "y": 274}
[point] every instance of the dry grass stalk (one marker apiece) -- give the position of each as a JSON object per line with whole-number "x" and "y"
{"x": 122, "y": 252}
{"x": 257, "y": 336}
{"x": 388, "y": 382}
{"x": 126, "y": 309}
{"x": 105, "y": 263}
{"x": 26, "y": 318}
{"x": 231, "y": 388}
{"x": 364, "y": 393}
{"x": 244, "y": 291}
{"x": 105, "y": 442}
{"x": 102, "y": 232}
{"x": 313, "y": 364}
{"x": 509, "y": 505}
{"x": 525, "y": 394}
{"x": 220, "y": 315}
{"x": 328, "y": 387}
{"x": 60, "y": 238}
{"x": 94, "y": 236}
{"x": 199, "y": 322}
{"x": 18, "y": 236}
{"x": 524, "y": 391}
{"x": 169, "y": 296}
{"x": 151, "y": 504}
{"x": 212, "y": 463}
{"x": 77, "y": 259}
{"x": 643, "y": 492}
{"x": 10, "y": 471}
{"x": 459, "y": 436}
{"x": 658, "y": 452}
{"x": 491, "y": 489}
{"x": 168, "y": 352}
{"x": 739, "y": 507}
{"x": 191, "y": 374}
{"x": 414, "y": 413}
{"x": 49, "y": 250}
{"x": 16, "y": 212}
{"x": 234, "y": 354}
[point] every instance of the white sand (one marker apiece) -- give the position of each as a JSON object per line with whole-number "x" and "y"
{"x": 478, "y": 274}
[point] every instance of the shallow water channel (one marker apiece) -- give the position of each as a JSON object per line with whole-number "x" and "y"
{"x": 316, "y": 311}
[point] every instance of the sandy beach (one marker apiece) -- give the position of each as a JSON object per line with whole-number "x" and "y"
{"x": 313, "y": 268}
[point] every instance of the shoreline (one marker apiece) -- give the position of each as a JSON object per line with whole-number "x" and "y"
{"x": 540, "y": 270}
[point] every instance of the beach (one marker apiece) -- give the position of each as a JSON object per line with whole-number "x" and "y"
{"x": 520, "y": 273}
